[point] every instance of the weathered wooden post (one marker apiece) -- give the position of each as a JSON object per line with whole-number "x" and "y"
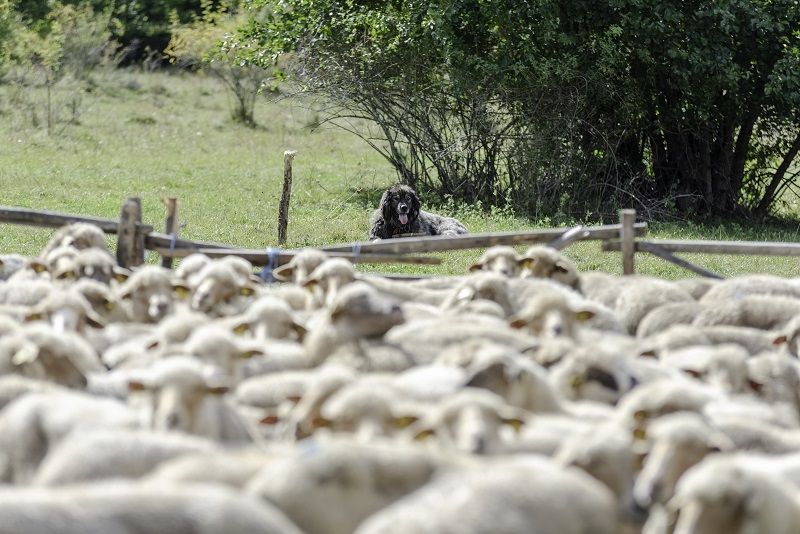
{"x": 130, "y": 244}
{"x": 626, "y": 237}
{"x": 171, "y": 227}
{"x": 283, "y": 209}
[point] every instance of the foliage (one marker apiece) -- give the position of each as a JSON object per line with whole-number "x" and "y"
{"x": 559, "y": 106}
{"x": 198, "y": 45}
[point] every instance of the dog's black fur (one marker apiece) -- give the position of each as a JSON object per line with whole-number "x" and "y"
{"x": 401, "y": 203}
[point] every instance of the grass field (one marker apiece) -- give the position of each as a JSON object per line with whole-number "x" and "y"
{"x": 160, "y": 134}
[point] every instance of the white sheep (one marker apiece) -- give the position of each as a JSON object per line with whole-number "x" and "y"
{"x": 149, "y": 294}
{"x": 222, "y": 288}
{"x": 99, "y": 454}
{"x": 184, "y": 398}
{"x": 505, "y": 497}
{"x": 78, "y": 235}
{"x": 500, "y": 259}
{"x": 34, "y": 423}
{"x": 329, "y": 487}
{"x": 735, "y": 495}
{"x": 300, "y": 266}
{"x": 120, "y": 507}
{"x": 540, "y": 261}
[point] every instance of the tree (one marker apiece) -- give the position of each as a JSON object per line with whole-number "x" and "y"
{"x": 199, "y": 45}
{"x": 561, "y": 107}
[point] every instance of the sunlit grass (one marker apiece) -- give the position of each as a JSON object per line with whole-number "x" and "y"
{"x": 154, "y": 135}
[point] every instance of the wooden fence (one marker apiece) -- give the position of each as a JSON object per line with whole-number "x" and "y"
{"x": 134, "y": 237}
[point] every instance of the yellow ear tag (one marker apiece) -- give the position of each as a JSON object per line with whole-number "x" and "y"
{"x": 181, "y": 292}
{"x": 575, "y": 380}
{"x": 639, "y": 434}
{"x": 404, "y": 421}
{"x": 516, "y": 424}
{"x": 241, "y": 329}
{"x": 425, "y": 434}
{"x": 584, "y": 315}
{"x": 640, "y": 415}
{"x": 23, "y": 355}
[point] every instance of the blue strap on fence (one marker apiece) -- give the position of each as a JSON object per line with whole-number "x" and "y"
{"x": 356, "y": 252}
{"x": 272, "y": 263}
{"x": 172, "y": 243}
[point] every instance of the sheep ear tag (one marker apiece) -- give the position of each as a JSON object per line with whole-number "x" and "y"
{"x": 514, "y": 423}
{"x": 24, "y": 355}
{"x": 404, "y": 421}
{"x": 584, "y": 315}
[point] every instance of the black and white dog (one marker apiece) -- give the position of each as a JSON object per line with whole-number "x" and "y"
{"x": 399, "y": 213}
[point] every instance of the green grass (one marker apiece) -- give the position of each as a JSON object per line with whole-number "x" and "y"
{"x": 154, "y": 135}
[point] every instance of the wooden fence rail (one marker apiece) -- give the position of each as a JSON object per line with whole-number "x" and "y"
{"x": 134, "y": 237}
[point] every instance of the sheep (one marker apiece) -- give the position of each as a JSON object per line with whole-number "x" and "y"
{"x": 602, "y": 287}
{"x": 482, "y": 286}
{"x": 468, "y": 422}
{"x": 330, "y": 487}
{"x": 101, "y": 454}
{"x": 149, "y": 294}
{"x": 10, "y": 264}
{"x": 34, "y": 423}
{"x": 24, "y": 292}
{"x": 221, "y": 289}
{"x": 119, "y": 507}
{"x": 300, "y": 266}
{"x": 232, "y": 468}
{"x": 734, "y": 495}
{"x": 219, "y": 348}
{"x": 697, "y": 287}
{"x": 774, "y": 377}
{"x": 662, "y": 317}
{"x": 674, "y": 443}
{"x": 722, "y": 366}
{"x": 56, "y": 264}
{"x": 540, "y": 261}
{"x": 641, "y": 294}
{"x": 185, "y": 399}
{"x": 270, "y": 317}
{"x": 500, "y": 259}
{"x": 549, "y": 315}
{"x": 98, "y": 264}
{"x": 190, "y": 266}
{"x": 328, "y": 279}
{"x": 13, "y": 386}
{"x": 427, "y": 338}
{"x": 363, "y": 409}
{"x": 755, "y": 284}
{"x": 66, "y": 310}
{"x": 606, "y": 452}
{"x": 754, "y": 311}
{"x": 39, "y": 351}
{"x": 358, "y": 311}
{"x": 103, "y": 299}
{"x": 507, "y": 497}
{"x": 407, "y": 291}
{"x": 78, "y": 235}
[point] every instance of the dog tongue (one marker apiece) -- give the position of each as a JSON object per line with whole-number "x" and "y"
{"x": 403, "y": 218}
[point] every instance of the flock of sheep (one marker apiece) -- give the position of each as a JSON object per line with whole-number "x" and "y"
{"x": 522, "y": 397}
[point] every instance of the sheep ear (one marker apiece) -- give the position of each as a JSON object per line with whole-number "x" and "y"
{"x": 526, "y": 263}
{"x": 651, "y": 353}
{"x": 475, "y": 267}
{"x": 755, "y": 385}
{"x": 492, "y": 378}
{"x": 95, "y": 321}
{"x": 66, "y": 275}
{"x": 514, "y": 423}
{"x": 250, "y": 353}
{"x": 720, "y": 443}
{"x": 584, "y": 315}
{"x": 33, "y": 316}
{"x": 121, "y": 274}
{"x": 181, "y": 291}
{"x": 300, "y": 330}
{"x": 694, "y": 373}
{"x": 780, "y": 340}
{"x": 405, "y": 421}
{"x": 310, "y": 284}
{"x": 517, "y": 323}
{"x": 25, "y": 355}
{"x": 270, "y": 420}
{"x": 217, "y": 390}
{"x": 283, "y": 273}
{"x": 38, "y": 267}
{"x": 424, "y": 434}
{"x": 137, "y": 385}
{"x": 321, "y": 422}
{"x": 561, "y": 267}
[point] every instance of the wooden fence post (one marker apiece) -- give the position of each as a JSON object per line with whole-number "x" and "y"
{"x": 626, "y": 237}
{"x": 283, "y": 209}
{"x": 171, "y": 227}
{"x": 130, "y": 245}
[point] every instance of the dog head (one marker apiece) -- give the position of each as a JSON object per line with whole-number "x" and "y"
{"x": 400, "y": 205}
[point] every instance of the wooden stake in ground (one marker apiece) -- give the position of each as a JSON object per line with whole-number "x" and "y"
{"x": 626, "y": 237}
{"x": 130, "y": 243}
{"x": 172, "y": 225}
{"x": 283, "y": 209}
